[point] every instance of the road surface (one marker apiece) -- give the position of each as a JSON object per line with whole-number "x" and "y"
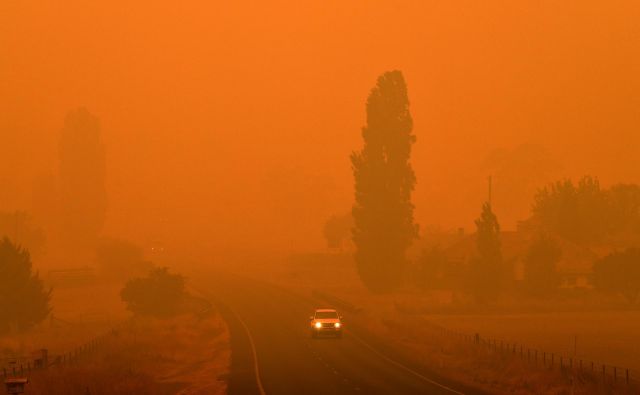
{"x": 273, "y": 353}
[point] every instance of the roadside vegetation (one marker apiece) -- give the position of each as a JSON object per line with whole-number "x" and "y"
{"x": 183, "y": 355}
{"x": 159, "y": 294}
{"x": 155, "y": 338}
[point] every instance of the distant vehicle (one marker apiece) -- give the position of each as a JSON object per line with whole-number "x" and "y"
{"x": 326, "y": 322}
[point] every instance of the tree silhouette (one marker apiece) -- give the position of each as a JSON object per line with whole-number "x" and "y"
{"x": 577, "y": 213}
{"x": 337, "y": 229}
{"x": 586, "y": 213}
{"x": 160, "y": 294}
{"x": 383, "y": 212}
{"x": 23, "y": 300}
{"x": 619, "y": 273}
{"x": 487, "y": 268}
{"x": 82, "y": 179}
{"x": 624, "y": 200}
{"x": 540, "y": 267}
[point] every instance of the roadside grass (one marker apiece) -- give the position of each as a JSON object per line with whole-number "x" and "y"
{"x": 184, "y": 355}
{"x": 608, "y": 336}
{"x": 481, "y": 366}
{"x": 79, "y": 315}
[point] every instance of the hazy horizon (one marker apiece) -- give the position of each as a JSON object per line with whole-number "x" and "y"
{"x": 228, "y": 127}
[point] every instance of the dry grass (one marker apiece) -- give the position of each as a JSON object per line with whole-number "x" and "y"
{"x": 80, "y": 314}
{"x": 612, "y": 336}
{"x": 481, "y": 366}
{"x": 183, "y": 355}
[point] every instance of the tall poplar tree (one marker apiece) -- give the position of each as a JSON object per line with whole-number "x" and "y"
{"x": 383, "y": 213}
{"x": 82, "y": 180}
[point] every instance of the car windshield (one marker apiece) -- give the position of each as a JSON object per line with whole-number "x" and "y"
{"x": 326, "y": 314}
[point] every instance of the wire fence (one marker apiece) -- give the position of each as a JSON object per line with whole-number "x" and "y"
{"x": 570, "y": 366}
{"x": 25, "y": 365}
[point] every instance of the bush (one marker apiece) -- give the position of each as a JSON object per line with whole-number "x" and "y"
{"x": 619, "y": 273}
{"x": 160, "y": 294}
{"x": 23, "y": 300}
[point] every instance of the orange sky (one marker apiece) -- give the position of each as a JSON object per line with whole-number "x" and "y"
{"x": 228, "y": 125}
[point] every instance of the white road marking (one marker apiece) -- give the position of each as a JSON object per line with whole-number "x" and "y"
{"x": 398, "y": 364}
{"x": 253, "y": 350}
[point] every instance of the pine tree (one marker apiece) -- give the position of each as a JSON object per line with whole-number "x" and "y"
{"x": 487, "y": 268}
{"x": 24, "y": 301}
{"x": 383, "y": 213}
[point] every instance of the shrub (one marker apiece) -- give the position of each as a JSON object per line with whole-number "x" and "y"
{"x": 160, "y": 294}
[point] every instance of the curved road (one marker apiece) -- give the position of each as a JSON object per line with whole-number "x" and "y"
{"x": 272, "y": 352}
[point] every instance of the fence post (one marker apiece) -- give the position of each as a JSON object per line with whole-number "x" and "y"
{"x": 627, "y": 375}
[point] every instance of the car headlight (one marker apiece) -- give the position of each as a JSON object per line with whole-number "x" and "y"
{"x": 337, "y": 325}
{"x": 318, "y": 325}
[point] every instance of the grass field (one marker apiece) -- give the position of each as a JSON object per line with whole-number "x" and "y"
{"x": 184, "y": 355}
{"x": 79, "y": 314}
{"x": 611, "y": 337}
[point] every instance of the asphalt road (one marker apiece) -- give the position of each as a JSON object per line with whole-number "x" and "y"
{"x": 273, "y": 353}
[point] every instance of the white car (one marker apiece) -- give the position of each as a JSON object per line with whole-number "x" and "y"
{"x": 326, "y": 322}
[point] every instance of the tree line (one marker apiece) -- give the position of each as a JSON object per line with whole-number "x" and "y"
{"x": 383, "y": 225}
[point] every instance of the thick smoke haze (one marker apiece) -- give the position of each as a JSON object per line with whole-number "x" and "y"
{"x": 228, "y": 126}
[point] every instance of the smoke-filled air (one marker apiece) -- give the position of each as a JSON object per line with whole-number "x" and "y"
{"x": 334, "y": 197}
